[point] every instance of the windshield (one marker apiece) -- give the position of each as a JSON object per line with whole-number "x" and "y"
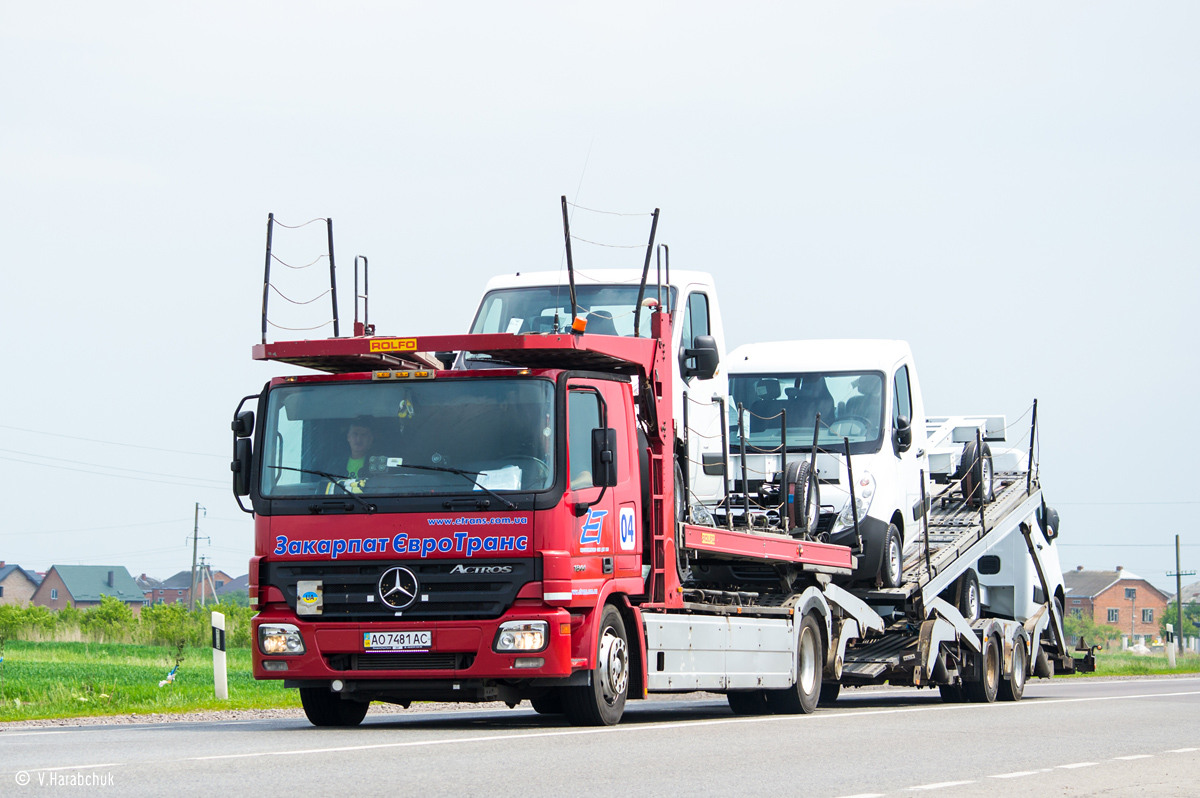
{"x": 608, "y": 309}
{"x": 414, "y": 438}
{"x": 850, "y": 404}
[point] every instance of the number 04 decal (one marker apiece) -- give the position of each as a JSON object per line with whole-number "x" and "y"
{"x": 628, "y": 529}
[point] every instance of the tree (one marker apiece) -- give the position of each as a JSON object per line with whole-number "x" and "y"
{"x": 1082, "y": 626}
{"x": 1191, "y": 620}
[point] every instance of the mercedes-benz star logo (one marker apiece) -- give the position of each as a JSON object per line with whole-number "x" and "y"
{"x": 398, "y": 588}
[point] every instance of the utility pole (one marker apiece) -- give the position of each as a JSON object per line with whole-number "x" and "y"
{"x": 195, "y": 546}
{"x": 1179, "y": 574}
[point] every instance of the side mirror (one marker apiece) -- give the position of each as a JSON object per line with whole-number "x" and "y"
{"x": 604, "y": 457}
{"x": 241, "y": 465}
{"x": 1047, "y": 518}
{"x": 243, "y": 425}
{"x": 903, "y": 434}
{"x": 447, "y": 359}
{"x": 704, "y": 352}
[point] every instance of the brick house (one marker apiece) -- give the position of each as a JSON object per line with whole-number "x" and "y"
{"x": 148, "y": 585}
{"x": 16, "y": 584}
{"x": 1104, "y": 596}
{"x": 82, "y": 586}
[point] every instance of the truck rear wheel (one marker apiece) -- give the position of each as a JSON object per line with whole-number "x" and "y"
{"x": 602, "y": 702}
{"x": 829, "y": 693}
{"x": 952, "y": 693}
{"x": 750, "y": 702}
{"x": 985, "y": 689}
{"x": 1013, "y": 688}
{"x": 803, "y": 696}
{"x": 326, "y": 708}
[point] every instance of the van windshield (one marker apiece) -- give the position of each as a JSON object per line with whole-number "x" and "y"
{"x": 850, "y": 404}
{"x": 385, "y": 438}
{"x": 608, "y": 309}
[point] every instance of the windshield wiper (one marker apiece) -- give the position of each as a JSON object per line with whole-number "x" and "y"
{"x": 469, "y": 475}
{"x": 333, "y": 478}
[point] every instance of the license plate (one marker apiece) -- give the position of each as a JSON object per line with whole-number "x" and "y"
{"x": 397, "y": 641}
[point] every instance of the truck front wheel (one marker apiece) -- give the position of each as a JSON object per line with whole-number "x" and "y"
{"x": 803, "y": 696}
{"x": 325, "y": 708}
{"x": 602, "y": 702}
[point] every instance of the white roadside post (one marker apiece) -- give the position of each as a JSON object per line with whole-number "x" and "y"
{"x": 220, "y": 680}
{"x": 1170, "y": 645}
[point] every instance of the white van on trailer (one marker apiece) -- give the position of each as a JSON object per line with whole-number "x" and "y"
{"x": 539, "y": 303}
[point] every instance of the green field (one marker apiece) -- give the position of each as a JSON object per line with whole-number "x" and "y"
{"x": 63, "y": 680}
{"x": 1123, "y": 663}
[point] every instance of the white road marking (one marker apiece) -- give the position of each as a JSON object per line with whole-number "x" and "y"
{"x": 29, "y": 734}
{"x": 1018, "y": 774}
{"x": 1135, "y": 756}
{"x": 940, "y": 785}
{"x": 1074, "y": 765}
{"x": 864, "y": 795}
{"x": 1182, "y": 750}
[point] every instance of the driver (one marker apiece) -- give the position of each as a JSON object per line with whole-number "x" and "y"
{"x": 360, "y": 437}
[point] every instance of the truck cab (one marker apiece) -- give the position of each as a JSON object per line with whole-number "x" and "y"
{"x": 538, "y": 303}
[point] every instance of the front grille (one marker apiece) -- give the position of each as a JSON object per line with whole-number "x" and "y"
{"x": 401, "y": 661}
{"x": 350, "y": 590}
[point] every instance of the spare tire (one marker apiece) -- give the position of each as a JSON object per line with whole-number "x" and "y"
{"x": 975, "y": 474}
{"x": 802, "y": 495}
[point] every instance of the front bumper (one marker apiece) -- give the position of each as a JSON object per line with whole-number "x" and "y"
{"x": 460, "y": 650}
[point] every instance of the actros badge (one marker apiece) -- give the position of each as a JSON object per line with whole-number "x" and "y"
{"x": 398, "y": 588}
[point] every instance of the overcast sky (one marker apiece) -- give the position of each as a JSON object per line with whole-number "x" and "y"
{"x": 1013, "y": 188}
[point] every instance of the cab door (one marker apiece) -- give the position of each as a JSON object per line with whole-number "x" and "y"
{"x": 910, "y": 459}
{"x": 595, "y": 526}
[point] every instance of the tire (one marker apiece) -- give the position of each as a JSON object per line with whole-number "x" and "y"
{"x": 1043, "y": 666}
{"x": 829, "y": 693}
{"x": 803, "y": 696}
{"x": 682, "y": 569}
{"x": 326, "y": 708}
{"x": 974, "y": 471}
{"x": 952, "y": 693}
{"x": 891, "y": 564}
{"x": 985, "y": 689}
{"x": 968, "y": 596}
{"x": 1013, "y": 688}
{"x": 750, "y": 702}
{"x": 548, "y": 703}
{"x": 602, "y": 702}
{"x": 803, "y": 498}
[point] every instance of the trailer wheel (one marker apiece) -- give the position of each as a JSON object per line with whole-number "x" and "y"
{"x": 891, "y": 569}
{"x": 984, "y": 691}
{"x": 325, "y": 708}
{"x": 975, "y": 472}
{"x": 602, "y": 702}
{"x": 829, "y": 693}
{"x": 1013, "y": 688}
{"x": 548, "y": 703}
{"x": 802, "y": 697}
{"x": 1043, "y": 666}
{"x": 749, "y": 702}
{"x": 803, "y": 497}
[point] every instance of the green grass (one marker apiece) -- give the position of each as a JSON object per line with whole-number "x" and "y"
{"x": 65, "y": 680}
{"x": 1123, "y": 663}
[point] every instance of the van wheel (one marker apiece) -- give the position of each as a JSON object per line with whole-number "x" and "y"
{"x": 803, "y": 497}
{"x": 1013, "y": 688}
{"x": 602, "y": 702}
{"x": 891, "y": 570}
{"x": 968, "y": 596}
{"x": 985, "y": 689}
{"x": 975, "y": 473}
{"x": 750, "y": 702}
{"x": 325, "y": 708}
{"x": 802, "y": 697}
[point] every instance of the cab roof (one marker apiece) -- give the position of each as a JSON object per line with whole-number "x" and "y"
{"x": 818, "y": 355}
{"x": 631, "y": 277}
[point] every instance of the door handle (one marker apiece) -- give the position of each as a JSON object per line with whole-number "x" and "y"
{"x": 920, "y": 453}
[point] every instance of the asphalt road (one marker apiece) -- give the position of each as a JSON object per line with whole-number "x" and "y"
{"x": 1068, "y": 737}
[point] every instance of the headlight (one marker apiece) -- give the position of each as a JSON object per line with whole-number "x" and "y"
{"x": 864, "y": 492}
{"x": 521, "y": 636}
{"x": 280, "y": 639}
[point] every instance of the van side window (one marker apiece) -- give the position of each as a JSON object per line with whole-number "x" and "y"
{"x": 902, "y": 404}
{"x": 695, "y": 319}
{"x": 583, "y": 416}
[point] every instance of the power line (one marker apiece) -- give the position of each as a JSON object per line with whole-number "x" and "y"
{"x": 118, "y": 476}
{"x": 93, "y": 528}
{"x": 114, "y": 468}
{"x": 111, "y": 443}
